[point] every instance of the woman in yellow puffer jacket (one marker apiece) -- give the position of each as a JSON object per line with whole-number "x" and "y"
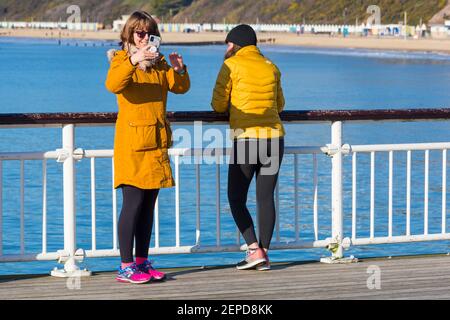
{"x": 141, "y": 79}
{"x": 248, "y": 87}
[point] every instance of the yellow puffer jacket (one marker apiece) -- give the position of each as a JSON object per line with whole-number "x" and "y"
{"x": 249, "y": 88}
{"x": 143, "y": 133}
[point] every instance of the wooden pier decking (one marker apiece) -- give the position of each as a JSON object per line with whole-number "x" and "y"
{"x": 419, "y": 277}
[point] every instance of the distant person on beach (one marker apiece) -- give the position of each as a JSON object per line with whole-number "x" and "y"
{"x": 248, "y": 87}
{"x": 141, "y": 78}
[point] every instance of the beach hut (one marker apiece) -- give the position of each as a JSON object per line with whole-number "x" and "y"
{"x": 120, "y": 23}
{"x": 440, "y": 31}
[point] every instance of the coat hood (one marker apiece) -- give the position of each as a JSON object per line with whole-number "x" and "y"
{"x": 110, "y": 54}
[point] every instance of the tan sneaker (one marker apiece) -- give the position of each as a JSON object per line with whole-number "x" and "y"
{"x": 254, "y": 258}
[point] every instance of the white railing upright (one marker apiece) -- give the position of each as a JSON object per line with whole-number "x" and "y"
{"x": 67, "y": 156}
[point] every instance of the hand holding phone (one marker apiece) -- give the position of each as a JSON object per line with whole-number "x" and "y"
{"x": 144, "y": 54}
{"x": 154, "y": 43}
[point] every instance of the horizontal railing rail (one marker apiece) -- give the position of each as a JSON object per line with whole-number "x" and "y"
{"x": 337, "y": 236}
{"x": 192, "y": 116}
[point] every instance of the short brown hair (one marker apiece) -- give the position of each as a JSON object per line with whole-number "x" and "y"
{"x": 138, "y": 20}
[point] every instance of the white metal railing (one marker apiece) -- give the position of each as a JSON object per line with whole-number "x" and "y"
{"x": 408, "y": 148}
{"x": 69, "y": 154}
{"x": 176, "y": 154}
{"x": 337, "y": 241}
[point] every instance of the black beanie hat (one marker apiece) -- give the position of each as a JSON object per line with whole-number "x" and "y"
{"x": 243, "y": 35}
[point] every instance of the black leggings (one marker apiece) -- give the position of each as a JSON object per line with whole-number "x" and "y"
{"x": 263, "y": 157}
{"x": 136, "y": 221}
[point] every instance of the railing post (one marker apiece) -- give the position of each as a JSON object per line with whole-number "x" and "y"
{"x": 338, "y": 242}
{"x": 69, "y": 255}
{"x": 336, "y": 189}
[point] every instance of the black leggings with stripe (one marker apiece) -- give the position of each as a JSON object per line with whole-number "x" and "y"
{"x": 136, "y": 221}
{"x": 262, "y": 158}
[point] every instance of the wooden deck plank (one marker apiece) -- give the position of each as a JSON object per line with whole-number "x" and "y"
{"x": 401, "y": 278}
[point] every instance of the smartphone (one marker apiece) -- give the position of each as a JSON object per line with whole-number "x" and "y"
{"x": 154, "y": 42}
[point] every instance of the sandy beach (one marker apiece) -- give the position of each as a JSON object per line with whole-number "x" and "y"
{"x": 323, "y": 41}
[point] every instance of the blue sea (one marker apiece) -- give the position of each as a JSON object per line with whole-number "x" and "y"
{"x": 39, "y": 76}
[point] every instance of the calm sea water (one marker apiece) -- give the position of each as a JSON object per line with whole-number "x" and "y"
{"x": 40, "y": 76}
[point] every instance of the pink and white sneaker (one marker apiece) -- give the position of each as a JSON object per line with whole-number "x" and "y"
{"x": 147, "y": 268}
{"x": 253, "y": 258}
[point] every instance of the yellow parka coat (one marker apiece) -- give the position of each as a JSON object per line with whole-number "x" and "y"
{"x": 249, "y": 88}
{"x": 143, "y": 134}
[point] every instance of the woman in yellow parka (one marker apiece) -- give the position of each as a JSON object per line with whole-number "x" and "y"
{"x": 141, "y": 78}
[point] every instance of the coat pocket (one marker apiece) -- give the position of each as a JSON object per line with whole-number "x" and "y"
{"x": 169, "y": 134}
{"x": 143, "y": 134}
